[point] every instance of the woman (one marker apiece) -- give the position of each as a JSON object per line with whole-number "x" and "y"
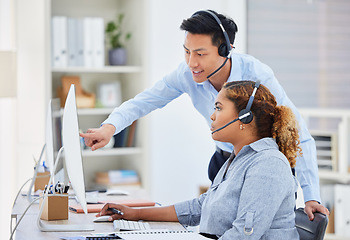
{"x": 253, "y": 195}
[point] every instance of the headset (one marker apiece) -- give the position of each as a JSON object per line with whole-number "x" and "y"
{"x": 245, "y": 115}
{"x": 224, "y": 49}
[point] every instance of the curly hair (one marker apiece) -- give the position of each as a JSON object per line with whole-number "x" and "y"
{"x": 270, "y": 120}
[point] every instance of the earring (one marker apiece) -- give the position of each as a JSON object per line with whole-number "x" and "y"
{"x": 241, "y": 127}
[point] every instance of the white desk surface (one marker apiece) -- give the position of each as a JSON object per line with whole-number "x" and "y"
{"x": 27, "y": 228}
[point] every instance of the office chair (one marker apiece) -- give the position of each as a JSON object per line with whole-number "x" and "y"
{"x": 310, "y": 230}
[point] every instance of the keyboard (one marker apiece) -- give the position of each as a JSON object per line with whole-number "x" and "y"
{"x": 125, "y": 225}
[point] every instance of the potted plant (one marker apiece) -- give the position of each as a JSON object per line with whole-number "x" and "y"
{"x": 117, "y": 54}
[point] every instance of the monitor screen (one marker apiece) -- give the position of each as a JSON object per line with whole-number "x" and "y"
{"x": 56, "y": 117}
{"x": 72, "y": 147}
{"x": 54, "y": 136}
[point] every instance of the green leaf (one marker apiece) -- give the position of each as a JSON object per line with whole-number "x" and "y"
{"x": 114, "y": 32}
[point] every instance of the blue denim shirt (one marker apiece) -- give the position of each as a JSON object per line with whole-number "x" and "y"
{"x": 203, "y": 95}
{"x": 254, "y": 200}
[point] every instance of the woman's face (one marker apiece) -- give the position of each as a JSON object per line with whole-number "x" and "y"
{"x": 225, "y": 112}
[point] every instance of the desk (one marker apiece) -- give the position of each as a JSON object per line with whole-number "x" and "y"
{"x": 27, "y": 229}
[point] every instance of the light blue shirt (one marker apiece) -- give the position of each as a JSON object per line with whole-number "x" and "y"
{"x": 254, "y": 200}
{"x": 203, "y": 95}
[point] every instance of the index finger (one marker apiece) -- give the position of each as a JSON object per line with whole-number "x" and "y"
{"x": 86, "y": 135}
{"x": 105, "y": 211}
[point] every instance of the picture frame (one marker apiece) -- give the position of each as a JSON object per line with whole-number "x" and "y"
{"x": 109, "y": 94}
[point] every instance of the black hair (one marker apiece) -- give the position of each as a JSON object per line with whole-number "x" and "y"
{"x": 203, "y": 23}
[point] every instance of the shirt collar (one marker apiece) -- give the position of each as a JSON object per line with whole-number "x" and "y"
{"x": 263, "y": 144}
{"x": 236, "y": 73}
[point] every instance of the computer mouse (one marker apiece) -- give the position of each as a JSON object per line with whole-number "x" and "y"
{"x": 102, "y": 219}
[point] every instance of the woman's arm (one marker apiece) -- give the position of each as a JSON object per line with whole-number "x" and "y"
{"x": 162, "y": 214}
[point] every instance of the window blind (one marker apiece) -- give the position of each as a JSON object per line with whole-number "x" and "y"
{"x": 307, "y": 45}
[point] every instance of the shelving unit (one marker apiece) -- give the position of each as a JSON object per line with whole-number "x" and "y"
{"x": 131, "y": 77}
{"x": 105, "y": 69}
{"x": 338, "y": 122}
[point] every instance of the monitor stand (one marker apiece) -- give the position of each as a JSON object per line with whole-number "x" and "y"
{"x": 60, "y": 227}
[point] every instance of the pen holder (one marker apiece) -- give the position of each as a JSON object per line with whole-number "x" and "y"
{"x": 55, "y": 208}
{"x": 41, "y": 181}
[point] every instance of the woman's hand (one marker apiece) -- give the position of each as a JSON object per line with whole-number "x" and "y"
{"x": 127, "y": 213}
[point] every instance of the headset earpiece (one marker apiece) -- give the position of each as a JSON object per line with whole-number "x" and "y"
{"x": 224, "y": 48}
{"x": 245, "y": 115}
{"x": 246, "y": 119}
{"x": 223, "y": 52}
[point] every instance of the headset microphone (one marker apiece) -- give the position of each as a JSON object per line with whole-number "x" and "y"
{"x": 245, "y": 115}
{"x": 229, "y": 55}
{"x": 235, "y": 120}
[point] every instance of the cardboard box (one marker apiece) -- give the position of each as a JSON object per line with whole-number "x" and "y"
{"x": 84, "y": 99}
{"x": 55, "y": 208}
{"x": 41, "y": 180}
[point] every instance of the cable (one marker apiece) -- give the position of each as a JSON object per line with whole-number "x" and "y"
{"x": 14, "y": 202}
{"x": 35, "y": 199}
{"x": 35, "y": 174}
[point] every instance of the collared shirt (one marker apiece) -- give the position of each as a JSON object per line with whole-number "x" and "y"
{"x": 253, "y": 200}
{"x": 203, "y": 95}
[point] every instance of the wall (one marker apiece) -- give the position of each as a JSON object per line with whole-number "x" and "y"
{"x": 7, "y": 124}
{"x": 32, "y": 88}
{"x": 180, "y": 140}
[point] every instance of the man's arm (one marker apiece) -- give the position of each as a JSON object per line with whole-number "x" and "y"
{"x": 163, "y": 92}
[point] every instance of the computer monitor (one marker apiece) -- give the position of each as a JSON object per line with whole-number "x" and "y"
{"x": 53, "y": 134}
{"x": 53, "y": 143}
{"x": 72, "y": 147}
{"x": 73, "y": 163}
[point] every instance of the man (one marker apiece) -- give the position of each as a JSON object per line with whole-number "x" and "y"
{"x": 209, "y": 63}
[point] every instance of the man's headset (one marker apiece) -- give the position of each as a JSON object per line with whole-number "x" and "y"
{"x": 245, "y": 115}
{"x": 225, "y": 49}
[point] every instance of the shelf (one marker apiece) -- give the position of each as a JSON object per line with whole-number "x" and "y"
{"x": 105, "y": 69}
{"x": 332, "y": 236}
{"x": 111, "y": 152}
{"x": 94, "y": 111}
{"x": 334, "y": 176}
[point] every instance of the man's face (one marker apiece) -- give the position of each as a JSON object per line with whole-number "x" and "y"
{"x": 201, "y": 56}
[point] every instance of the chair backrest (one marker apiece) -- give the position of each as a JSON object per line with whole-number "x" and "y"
{"x": 310, "y": 230}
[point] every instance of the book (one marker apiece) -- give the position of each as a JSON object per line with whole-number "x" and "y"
{"x": 117, "y": 177}
{"x": 160, "y": 234}
{"x": 136, "y": 202}
{"x": 126, "y": 138}
{"x": 131, "y": 135}
{"x": 96, "y": 208}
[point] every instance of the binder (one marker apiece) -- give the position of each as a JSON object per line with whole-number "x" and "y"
{"x": 97, "y": 37}
{"x": 59, "y": 41}
{"x": 80, "y": 42}
{"x": 88, "y": 42}
{"x": 72, "y": 42}
{"x": 342, "y": 210}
